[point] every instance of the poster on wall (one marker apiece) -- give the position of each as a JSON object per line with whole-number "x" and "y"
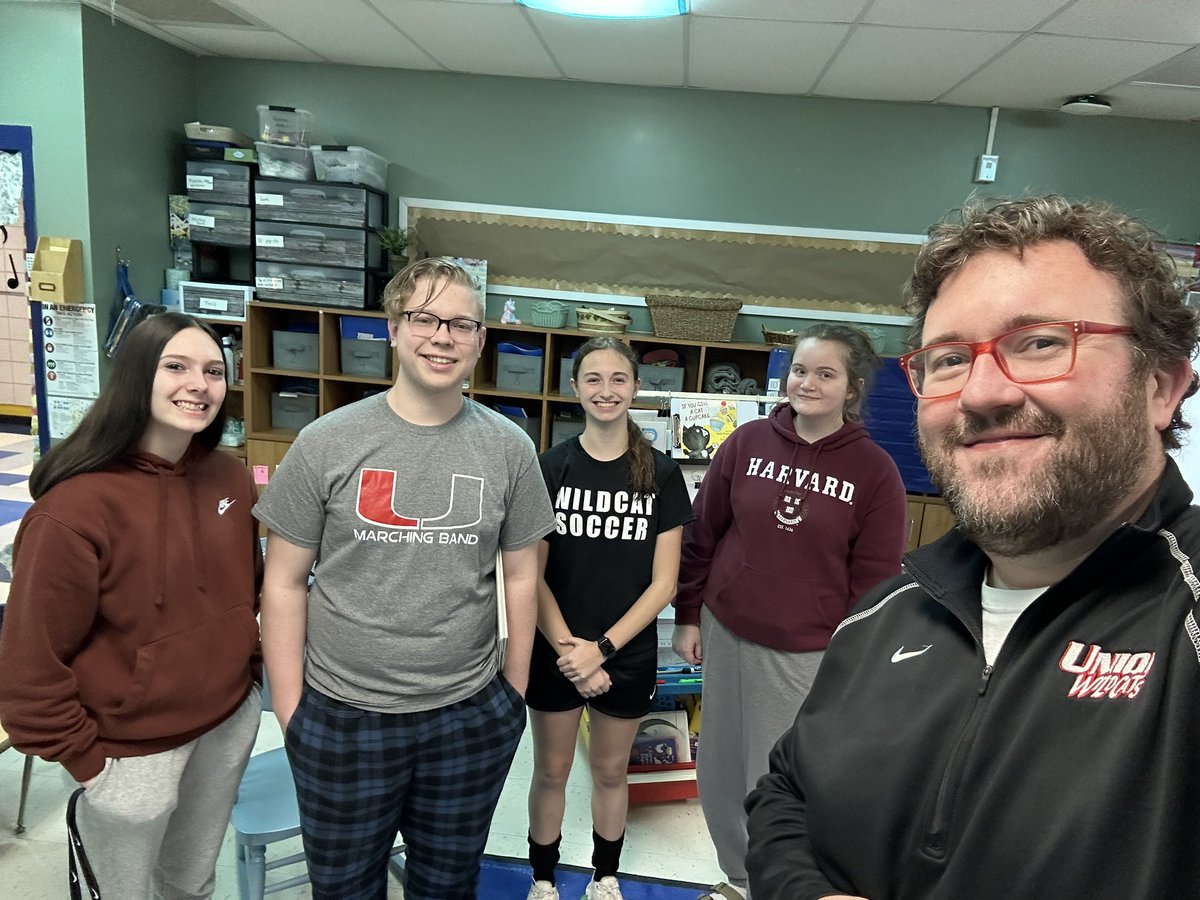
{"x": 70, "y": 367}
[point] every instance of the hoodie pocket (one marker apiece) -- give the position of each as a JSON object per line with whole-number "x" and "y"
{"x": 185, "y": 681}
{"x": 779, "y": 603}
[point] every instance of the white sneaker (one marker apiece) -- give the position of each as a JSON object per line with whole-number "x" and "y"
{"x": 542, "y": 890}
{"x": 604, "y": 889}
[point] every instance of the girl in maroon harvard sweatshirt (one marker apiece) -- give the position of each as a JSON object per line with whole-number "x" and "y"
{"x": 797, "y": 517}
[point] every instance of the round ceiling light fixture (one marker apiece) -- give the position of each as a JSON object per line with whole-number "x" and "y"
{"x": 1086, "y": 105}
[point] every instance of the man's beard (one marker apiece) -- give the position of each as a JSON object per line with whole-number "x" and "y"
{"x": 1009, "y": 511}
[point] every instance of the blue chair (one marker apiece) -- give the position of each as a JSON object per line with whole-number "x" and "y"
{"x": 266, "y": 812}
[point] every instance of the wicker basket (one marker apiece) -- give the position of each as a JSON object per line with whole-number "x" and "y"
{"x": 778, "y": 338}
{"x": 550, "y": 314}
{"x": 601, "y": 321}
{"x": 693, "y": 318}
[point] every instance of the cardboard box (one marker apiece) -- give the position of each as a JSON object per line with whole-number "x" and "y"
{"x": 57, "y": 275}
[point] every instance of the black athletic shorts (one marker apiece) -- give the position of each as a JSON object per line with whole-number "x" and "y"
{"x": 633, "y": 685}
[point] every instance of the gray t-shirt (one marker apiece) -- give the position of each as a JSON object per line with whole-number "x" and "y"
{"x": 406, "y": 521}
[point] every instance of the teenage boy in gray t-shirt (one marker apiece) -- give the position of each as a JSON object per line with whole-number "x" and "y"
{"x": 385, "y": 675}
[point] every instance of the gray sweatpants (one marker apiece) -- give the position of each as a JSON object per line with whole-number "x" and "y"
{"x": 155, "y": 823}
{"x": 751, "y": 696}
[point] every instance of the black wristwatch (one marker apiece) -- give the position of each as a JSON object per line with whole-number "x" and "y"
{"x": 606, "y": 646}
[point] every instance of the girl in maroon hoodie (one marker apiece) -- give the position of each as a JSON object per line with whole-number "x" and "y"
{"x": 799, "y": 514}
{"x": 125, "y": 656}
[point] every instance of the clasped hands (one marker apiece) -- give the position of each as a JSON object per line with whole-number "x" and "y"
{"x": 582, "y": 663}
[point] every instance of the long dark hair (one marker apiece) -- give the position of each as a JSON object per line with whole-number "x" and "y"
{"x": 120, "y": 415}
{"x": 641, "y": 454}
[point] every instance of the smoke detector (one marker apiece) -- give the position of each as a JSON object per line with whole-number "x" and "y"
{"x": 1086, "y": 105}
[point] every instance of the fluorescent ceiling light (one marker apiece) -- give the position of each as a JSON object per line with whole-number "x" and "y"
{"x": 611, "y": 9}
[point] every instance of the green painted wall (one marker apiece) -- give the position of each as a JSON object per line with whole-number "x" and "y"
{"x": 41, "y": 53}
{"x": 859, "y": 165}
{"x": 138, "y": 92}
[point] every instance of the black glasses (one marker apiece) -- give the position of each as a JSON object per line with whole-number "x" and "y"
{"x": 424, "y": 324}
{"x": 1032, "y": 354}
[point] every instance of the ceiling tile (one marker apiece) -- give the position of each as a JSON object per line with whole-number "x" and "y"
{"x": 1155, "y": 102}
{"x": 1183, "y": 70}
{"x": 1011, "y": 15}
{"x": 770, "y": 57}
{"x": 878, "y": 62}
{"x": 349, "y": 31}
{"x": 784, "y": 10}
{"x": 1041, "y": 71}
{"x": 1168, "y": 21}
{"x": 473, "y": 37}
{"x": 645, "y": 51}
{"x": 242, "y": 43}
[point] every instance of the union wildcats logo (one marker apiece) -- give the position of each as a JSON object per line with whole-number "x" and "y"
{"x": 377, "y": 503}
{"x": 1105, "y": 676}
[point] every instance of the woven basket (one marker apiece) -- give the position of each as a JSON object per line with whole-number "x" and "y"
{"x": 778, "y": 338}
{"x": 550, "y": 314}
{"x": 601, "y": 321}
{"x": 693, "y": 318}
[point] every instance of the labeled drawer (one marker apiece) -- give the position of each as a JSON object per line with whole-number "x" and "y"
{"x": 318, "y": 285}
{"x": 323, "y": 245}
{"x": 215, "y": 301}
{"x": 218, "y": 182}
{"x": 318, "y": 204}
{"x": 212, "y": 224}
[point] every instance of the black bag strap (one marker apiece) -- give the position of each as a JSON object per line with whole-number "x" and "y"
{"x": 77, "y": 857}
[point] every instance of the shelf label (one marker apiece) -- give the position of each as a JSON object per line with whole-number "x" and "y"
{"x": 202, "y": 221}
{"x": 269, "y": 240}
{"x": 268, "y": 282}
{"x": 268, "y": 199}
{"x": 200, "y": 182}
{"x": 214, "y": 304}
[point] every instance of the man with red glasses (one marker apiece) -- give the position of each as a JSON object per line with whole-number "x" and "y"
{"x": 1018, "y": 715}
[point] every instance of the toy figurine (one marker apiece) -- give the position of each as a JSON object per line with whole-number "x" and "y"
{"x": 509, "y": 316}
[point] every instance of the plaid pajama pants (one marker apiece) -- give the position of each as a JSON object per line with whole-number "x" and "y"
{"x": 435, "y": 777}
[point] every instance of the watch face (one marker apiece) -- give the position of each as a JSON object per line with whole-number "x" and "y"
{"x": 606, "y": 647}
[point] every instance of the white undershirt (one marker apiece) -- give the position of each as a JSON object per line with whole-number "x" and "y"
{"x": 1001, "y": 609}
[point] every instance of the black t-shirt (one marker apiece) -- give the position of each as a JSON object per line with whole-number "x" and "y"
{"x": 602, "y": 548}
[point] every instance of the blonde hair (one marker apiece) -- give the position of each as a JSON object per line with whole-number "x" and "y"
{"x": 436, "y": 274}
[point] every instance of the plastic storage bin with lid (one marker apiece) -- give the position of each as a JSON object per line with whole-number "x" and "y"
{"x": 284, "y": 124}
{"x": 356, "y": 165}
{"x": 284, "y": 161}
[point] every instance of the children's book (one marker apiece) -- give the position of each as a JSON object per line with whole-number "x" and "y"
{"x": 699, "y": 427}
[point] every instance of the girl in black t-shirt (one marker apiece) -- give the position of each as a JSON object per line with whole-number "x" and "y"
{"x": 608, "y": 569}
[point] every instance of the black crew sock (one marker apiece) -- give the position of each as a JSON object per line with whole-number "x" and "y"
{"x": 606, "y": 855}
{"x": 543, "y": 858}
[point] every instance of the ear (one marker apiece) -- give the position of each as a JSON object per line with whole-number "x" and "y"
{"x": 1166, "y": 387}
{"x": 392, "y": 327}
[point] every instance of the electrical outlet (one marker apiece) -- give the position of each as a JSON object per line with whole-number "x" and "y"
{"x": 985, "y": 170}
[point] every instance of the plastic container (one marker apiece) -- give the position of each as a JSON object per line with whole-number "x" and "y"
{"x": 284, "y": 124}
{"x": 196, "y": 131}
{"x": 355, "y": 165}
{"x": 280, "y": 161}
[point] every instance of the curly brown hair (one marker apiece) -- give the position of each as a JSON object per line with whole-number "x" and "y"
{"x": 1165, "y": 330}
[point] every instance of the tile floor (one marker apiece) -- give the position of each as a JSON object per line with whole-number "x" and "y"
{"x": 663, "y": 840}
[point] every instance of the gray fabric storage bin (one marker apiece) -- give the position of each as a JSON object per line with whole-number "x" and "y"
{"x": 518, "y": 372}
{"x": 291, "y": 412}
{"x": 294, "y": 350}
{"x": 531, "y": 425}
{"x": 661, "y": 378}
{"x": 562, "y": 429}
{"x": 371, "y": 359}
{"x": 564, "y": 376}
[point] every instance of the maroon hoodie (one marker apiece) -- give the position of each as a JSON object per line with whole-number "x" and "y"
{"x": 130, "y": 627}
{"x": 788, "y": 534}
